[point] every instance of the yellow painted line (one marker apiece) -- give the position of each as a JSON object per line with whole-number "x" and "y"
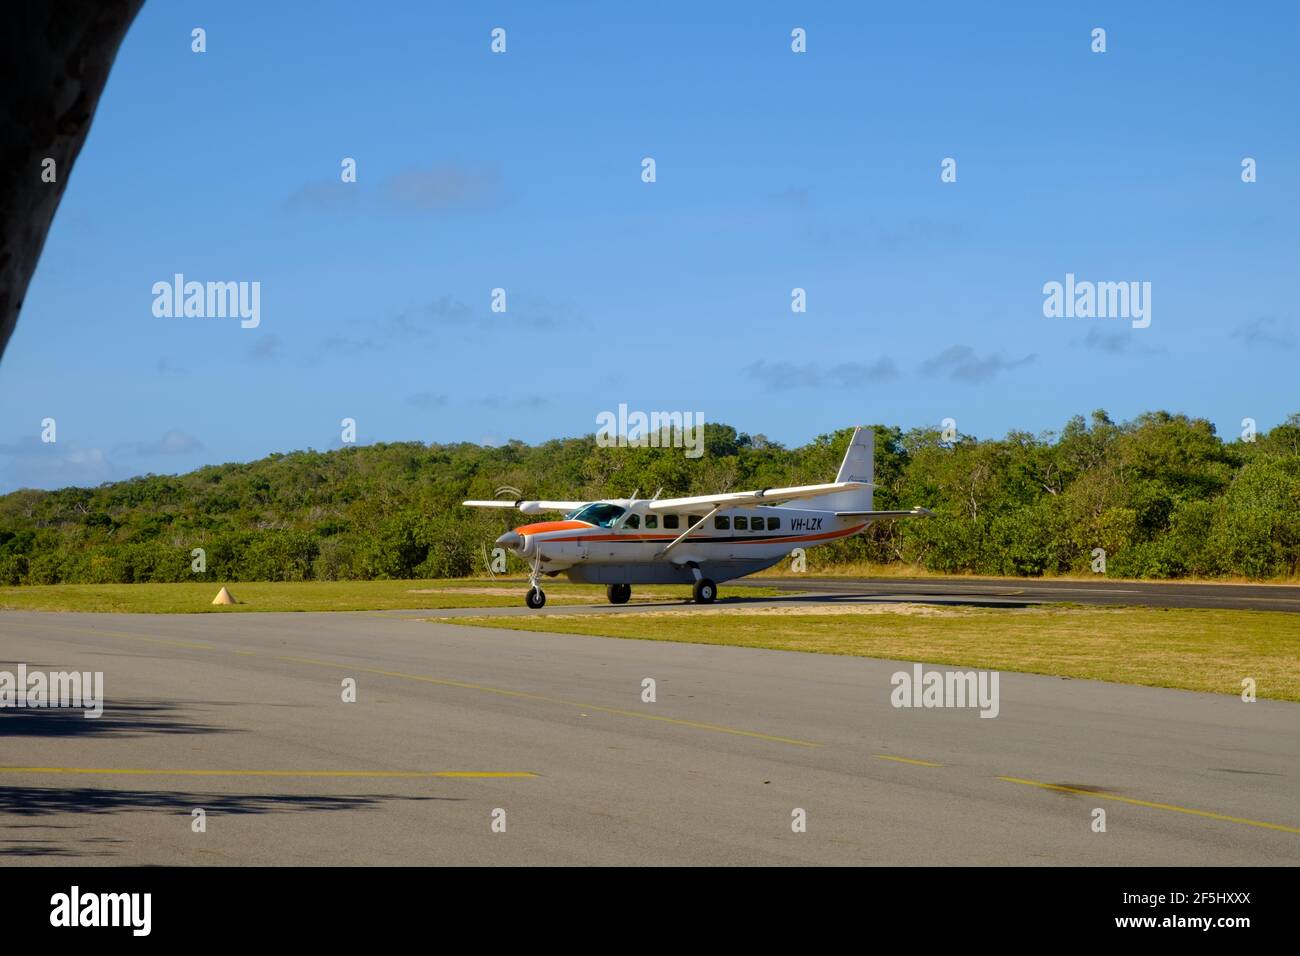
{"x": 919, "y": 763}
{"x": 402, "y": 774}
{"x": 1154, "y": 806}
{"x": 523, "y": 695}
{"x": 89, "y": 632}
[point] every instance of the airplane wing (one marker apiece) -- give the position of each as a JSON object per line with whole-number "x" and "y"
{"x": 528, "y": 507}
{"x": 917, "y": 512}
{"x": 736, "y": 499}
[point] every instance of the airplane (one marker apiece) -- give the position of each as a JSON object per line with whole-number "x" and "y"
{"x": 699, "y": 540}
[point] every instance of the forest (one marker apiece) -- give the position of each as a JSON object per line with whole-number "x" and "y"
{"x": 1163, "y": 495}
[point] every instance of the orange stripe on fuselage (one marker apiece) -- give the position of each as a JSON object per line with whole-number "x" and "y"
{"x": 543, "y": 526}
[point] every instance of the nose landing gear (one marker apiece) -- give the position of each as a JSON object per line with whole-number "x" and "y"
{"x": 535, "y": 598}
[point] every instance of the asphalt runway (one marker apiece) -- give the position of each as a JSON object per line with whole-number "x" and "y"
{"x": 241, "y": 715}
{"x": 1020, "y": 591}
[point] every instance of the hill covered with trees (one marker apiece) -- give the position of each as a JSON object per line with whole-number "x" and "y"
{"x": 1163, "y": 495}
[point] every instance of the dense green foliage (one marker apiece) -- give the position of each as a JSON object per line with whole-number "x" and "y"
{"x": 1163, "y": 495}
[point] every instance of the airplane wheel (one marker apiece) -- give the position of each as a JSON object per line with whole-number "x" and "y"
{"x": 618, "y": 593}
{"x": 705, "y": 591}
{"x": 535, "y": 598}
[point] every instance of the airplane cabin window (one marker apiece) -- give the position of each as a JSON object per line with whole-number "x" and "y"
{"x": 633, "y": 522}
{"x": 773, "y": 524}
{"x": 722, "y": 522}
{"x": 670, "y": 521}
{"x": 651, "y": 521}
{"x": 692, "y": 520}
{"x": 756, "y": 523}
{"x": 742, "y": 523}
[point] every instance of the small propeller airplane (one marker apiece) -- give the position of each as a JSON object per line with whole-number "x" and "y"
{"x": 698, "y": 540}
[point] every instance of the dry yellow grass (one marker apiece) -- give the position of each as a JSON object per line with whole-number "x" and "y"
{"x": 195, "y": 597}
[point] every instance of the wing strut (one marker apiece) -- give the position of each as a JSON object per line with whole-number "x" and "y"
{"x": 682, "y": 537}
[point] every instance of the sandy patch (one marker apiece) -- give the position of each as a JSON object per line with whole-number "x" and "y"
{"x": 518, "y": 591}
{"x": 495, "y": 592}
{"x": 819, "y": 610}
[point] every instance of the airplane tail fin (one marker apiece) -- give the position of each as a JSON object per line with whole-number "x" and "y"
{"x": 859, "y": 460}
{"x": 859, "y": 465}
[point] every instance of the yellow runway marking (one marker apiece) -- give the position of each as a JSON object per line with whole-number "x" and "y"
{"x": 400, "y": 774}
{"x": 919, "y": 763}
{"x": 91, "y": 632}
{"x": 1154, "y": 806}
{"x": 523, "y": 695}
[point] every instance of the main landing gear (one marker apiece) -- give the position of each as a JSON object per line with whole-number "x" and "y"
{"x": 706, "y": 592}
{"x": 618, "y": 593}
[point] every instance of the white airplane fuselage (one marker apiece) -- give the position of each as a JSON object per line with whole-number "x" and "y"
{"x": 637, "y": 547}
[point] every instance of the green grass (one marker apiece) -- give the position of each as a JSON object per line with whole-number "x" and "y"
{"x": 1204, "y": 650}
{"x": 196, "y": 597}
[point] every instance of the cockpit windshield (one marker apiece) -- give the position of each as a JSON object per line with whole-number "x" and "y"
{"x": 600, "y": 514}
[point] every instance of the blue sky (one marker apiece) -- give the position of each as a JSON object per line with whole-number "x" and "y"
{"x": 775, "y": 170}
